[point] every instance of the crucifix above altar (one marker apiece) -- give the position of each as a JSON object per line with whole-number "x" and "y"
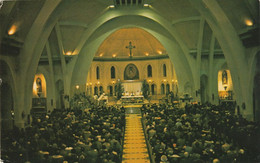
{"x": 130, "y": 47}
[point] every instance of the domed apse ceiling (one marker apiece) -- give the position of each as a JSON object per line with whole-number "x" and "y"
{"x": 117, "y": 44}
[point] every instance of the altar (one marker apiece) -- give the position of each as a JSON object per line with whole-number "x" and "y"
{"x": 132, "y": 99}
{"x": 132, "y": 88}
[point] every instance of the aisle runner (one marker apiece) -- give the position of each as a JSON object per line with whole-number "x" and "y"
{"x": 135, "y": 149}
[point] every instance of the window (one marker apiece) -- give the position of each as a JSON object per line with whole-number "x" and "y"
{"x": 95, "y": 90}
{"x": 149, "y": 71}
{"x": 162, "y": 89}
{"x": 164, "y": 70}
{"x": 153, "y": 89}
{"x": 100, "y": 90}
{"x": 167, "y": 89}
{"x": 113, "y": 72}
{"x": 97, "y": 73}
{"x": 110, "y": 90}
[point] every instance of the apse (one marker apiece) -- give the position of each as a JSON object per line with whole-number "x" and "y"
{"x": 131, "y": 56}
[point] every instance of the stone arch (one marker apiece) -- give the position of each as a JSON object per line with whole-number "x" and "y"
{"x": 7, "y": 97}
{"x": 230, "y": 44}
{"x": 100, "y": 34}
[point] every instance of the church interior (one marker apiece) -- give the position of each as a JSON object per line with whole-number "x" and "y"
{"x": 130, "y": 81}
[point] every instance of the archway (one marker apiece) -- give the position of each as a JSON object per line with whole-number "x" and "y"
{"x": 153, "y": 89}
{"x": 108, "y": 28}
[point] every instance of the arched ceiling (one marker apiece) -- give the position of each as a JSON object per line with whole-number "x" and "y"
{"x": 80, "y": 14}
{"x": 144, "y": 43}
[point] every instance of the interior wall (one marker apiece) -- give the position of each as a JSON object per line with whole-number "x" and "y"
{"x": 174, "y": 51}
{"x": 105, "y": 77}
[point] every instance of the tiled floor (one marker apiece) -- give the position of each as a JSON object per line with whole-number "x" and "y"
{"x": 135, "y": 149}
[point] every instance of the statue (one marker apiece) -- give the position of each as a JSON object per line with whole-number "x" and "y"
{"x": 224, "y": 77}
{"x": 39, "y": 86}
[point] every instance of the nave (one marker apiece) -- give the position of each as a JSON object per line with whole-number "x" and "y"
{"x": 196, "y": 133}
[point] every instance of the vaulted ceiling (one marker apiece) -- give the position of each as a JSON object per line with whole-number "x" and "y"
{"x": 80, "y": 14}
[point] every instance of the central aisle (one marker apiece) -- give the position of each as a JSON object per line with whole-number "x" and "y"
{"x": 135, "y": 149}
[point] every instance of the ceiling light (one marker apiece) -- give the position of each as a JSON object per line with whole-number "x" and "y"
{"x": 12, "y": 30}
{"x": 249, "y": 22}
{"x": 112, "y": 6}
{"x": 68, "y": 53}
{"x": 146, "y": 5}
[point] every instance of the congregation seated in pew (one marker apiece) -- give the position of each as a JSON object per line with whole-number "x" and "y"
{"x": 69, "y": 135}
{"x": 200, "y": 133}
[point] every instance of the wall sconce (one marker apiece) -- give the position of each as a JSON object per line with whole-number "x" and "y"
{"x": 77, "y": 86}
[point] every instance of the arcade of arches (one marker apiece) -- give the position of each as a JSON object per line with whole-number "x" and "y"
{"x": 119, "y": 52}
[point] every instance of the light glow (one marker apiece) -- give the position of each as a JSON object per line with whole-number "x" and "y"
{"x": 12, "y": 30}
{"x": 114, "y": 55}
{"x": 77, "y": 86}
{"x": 146, "y": 5}
{"x": 68, "y": 53}
{"x": 249, "y": 22}
{"x": 147, "y": 54}
{"x": 160, "y": 52}
{"x": 112, "y": 6}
